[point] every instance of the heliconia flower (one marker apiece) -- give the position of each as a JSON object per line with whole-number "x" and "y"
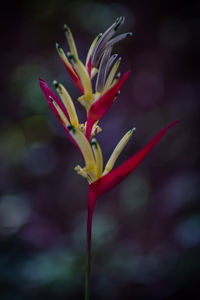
{"x": 107, "y": 85}
{"x": 97, "y": 104}
{"x": 97, "y": 99}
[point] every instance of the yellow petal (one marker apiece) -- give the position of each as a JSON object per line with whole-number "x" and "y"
{"x": 84, "y": 76}
{"x": 118, "y": 149}
{"x": 70, "y": 40}
{"x": 85, "y": 148}
{"x": 98, "y": 157}
{"x": 94, "y": 72}
{"x": 92, "y": 47}
{"x": 111, "y": 76}
{"x": 67, "y": 101}
{"x": 60, "y": 112}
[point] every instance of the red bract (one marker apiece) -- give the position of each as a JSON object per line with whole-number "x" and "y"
{"x": 48, "y": 93}
{"x": 101, "y": 106}
{"x": 111, "y": 179}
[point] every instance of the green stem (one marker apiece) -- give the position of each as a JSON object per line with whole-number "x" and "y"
{"x": 91, "y": 203}
{"x": 88, "y": 256}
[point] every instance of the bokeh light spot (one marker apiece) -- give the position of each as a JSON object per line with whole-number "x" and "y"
{"x": 173, "y": 32}
{"x": 14, "y": 212}
{"x": 40, "y": 159}
{"x": 188, "y": 232}
{"x": 134, "y": 193}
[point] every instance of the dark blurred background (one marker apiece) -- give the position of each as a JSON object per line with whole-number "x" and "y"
{"x": 146, "y": 234}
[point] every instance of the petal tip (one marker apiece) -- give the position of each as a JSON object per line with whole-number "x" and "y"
{"x": 173, "y": 123}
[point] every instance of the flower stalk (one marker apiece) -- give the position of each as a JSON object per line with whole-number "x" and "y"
{"x": 91, "y": 204}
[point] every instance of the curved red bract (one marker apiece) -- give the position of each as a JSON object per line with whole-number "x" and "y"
{"x": 49, "y": 93}
{"x": 111, "y": 179}
{"x": 102, "y": 105}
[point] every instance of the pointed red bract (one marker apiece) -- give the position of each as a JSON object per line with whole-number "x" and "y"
{"x": 111, "y": 179}
{"x": 75, "y": 78}
{"x": 101, "y": 106}
{"x": 49, "y": 93}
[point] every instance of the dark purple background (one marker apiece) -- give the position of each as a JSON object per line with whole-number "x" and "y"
{"x": 146, "y": 233}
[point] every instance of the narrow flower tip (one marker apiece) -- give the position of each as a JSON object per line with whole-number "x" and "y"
{"x": 58, "y": 47}
{"x": 56, "y": 84}
{"x": 99, "y": 35}
{"x": 41, "y": 80}
{"x": 94, "y": 142}
{"x": 66, "y": 28}
{"x": 129, "y": 34}
{"x": 59, "y": 50}
{"x": 118, "y": 75}
{"x": 119, "y": 21}
{"x": 71, "y": 128}
{"x": 119, "y": 60}
{"x": 71, "y": 57}
{"x": 174, "y": 123}
{"x": 132, "y": 130}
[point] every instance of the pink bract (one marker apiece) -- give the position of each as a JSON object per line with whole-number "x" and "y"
{"x": 102, "y": 105}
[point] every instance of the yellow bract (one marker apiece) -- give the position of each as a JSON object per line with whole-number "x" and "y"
{"x": 71, "y": 42}
{"x": 60, "y": 113}
{"x": 118, "y": 149}
{"x": 84, "y": 76}
{"x": 92, "y": 47}
{"x": 68, "y": 103}
{"x": 98, "y": 157}
{"x": 85, "y": 148}
{"x": 111, "y": 76}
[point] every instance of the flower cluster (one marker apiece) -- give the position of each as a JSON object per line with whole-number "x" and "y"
{"x": 102, "y": 66}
